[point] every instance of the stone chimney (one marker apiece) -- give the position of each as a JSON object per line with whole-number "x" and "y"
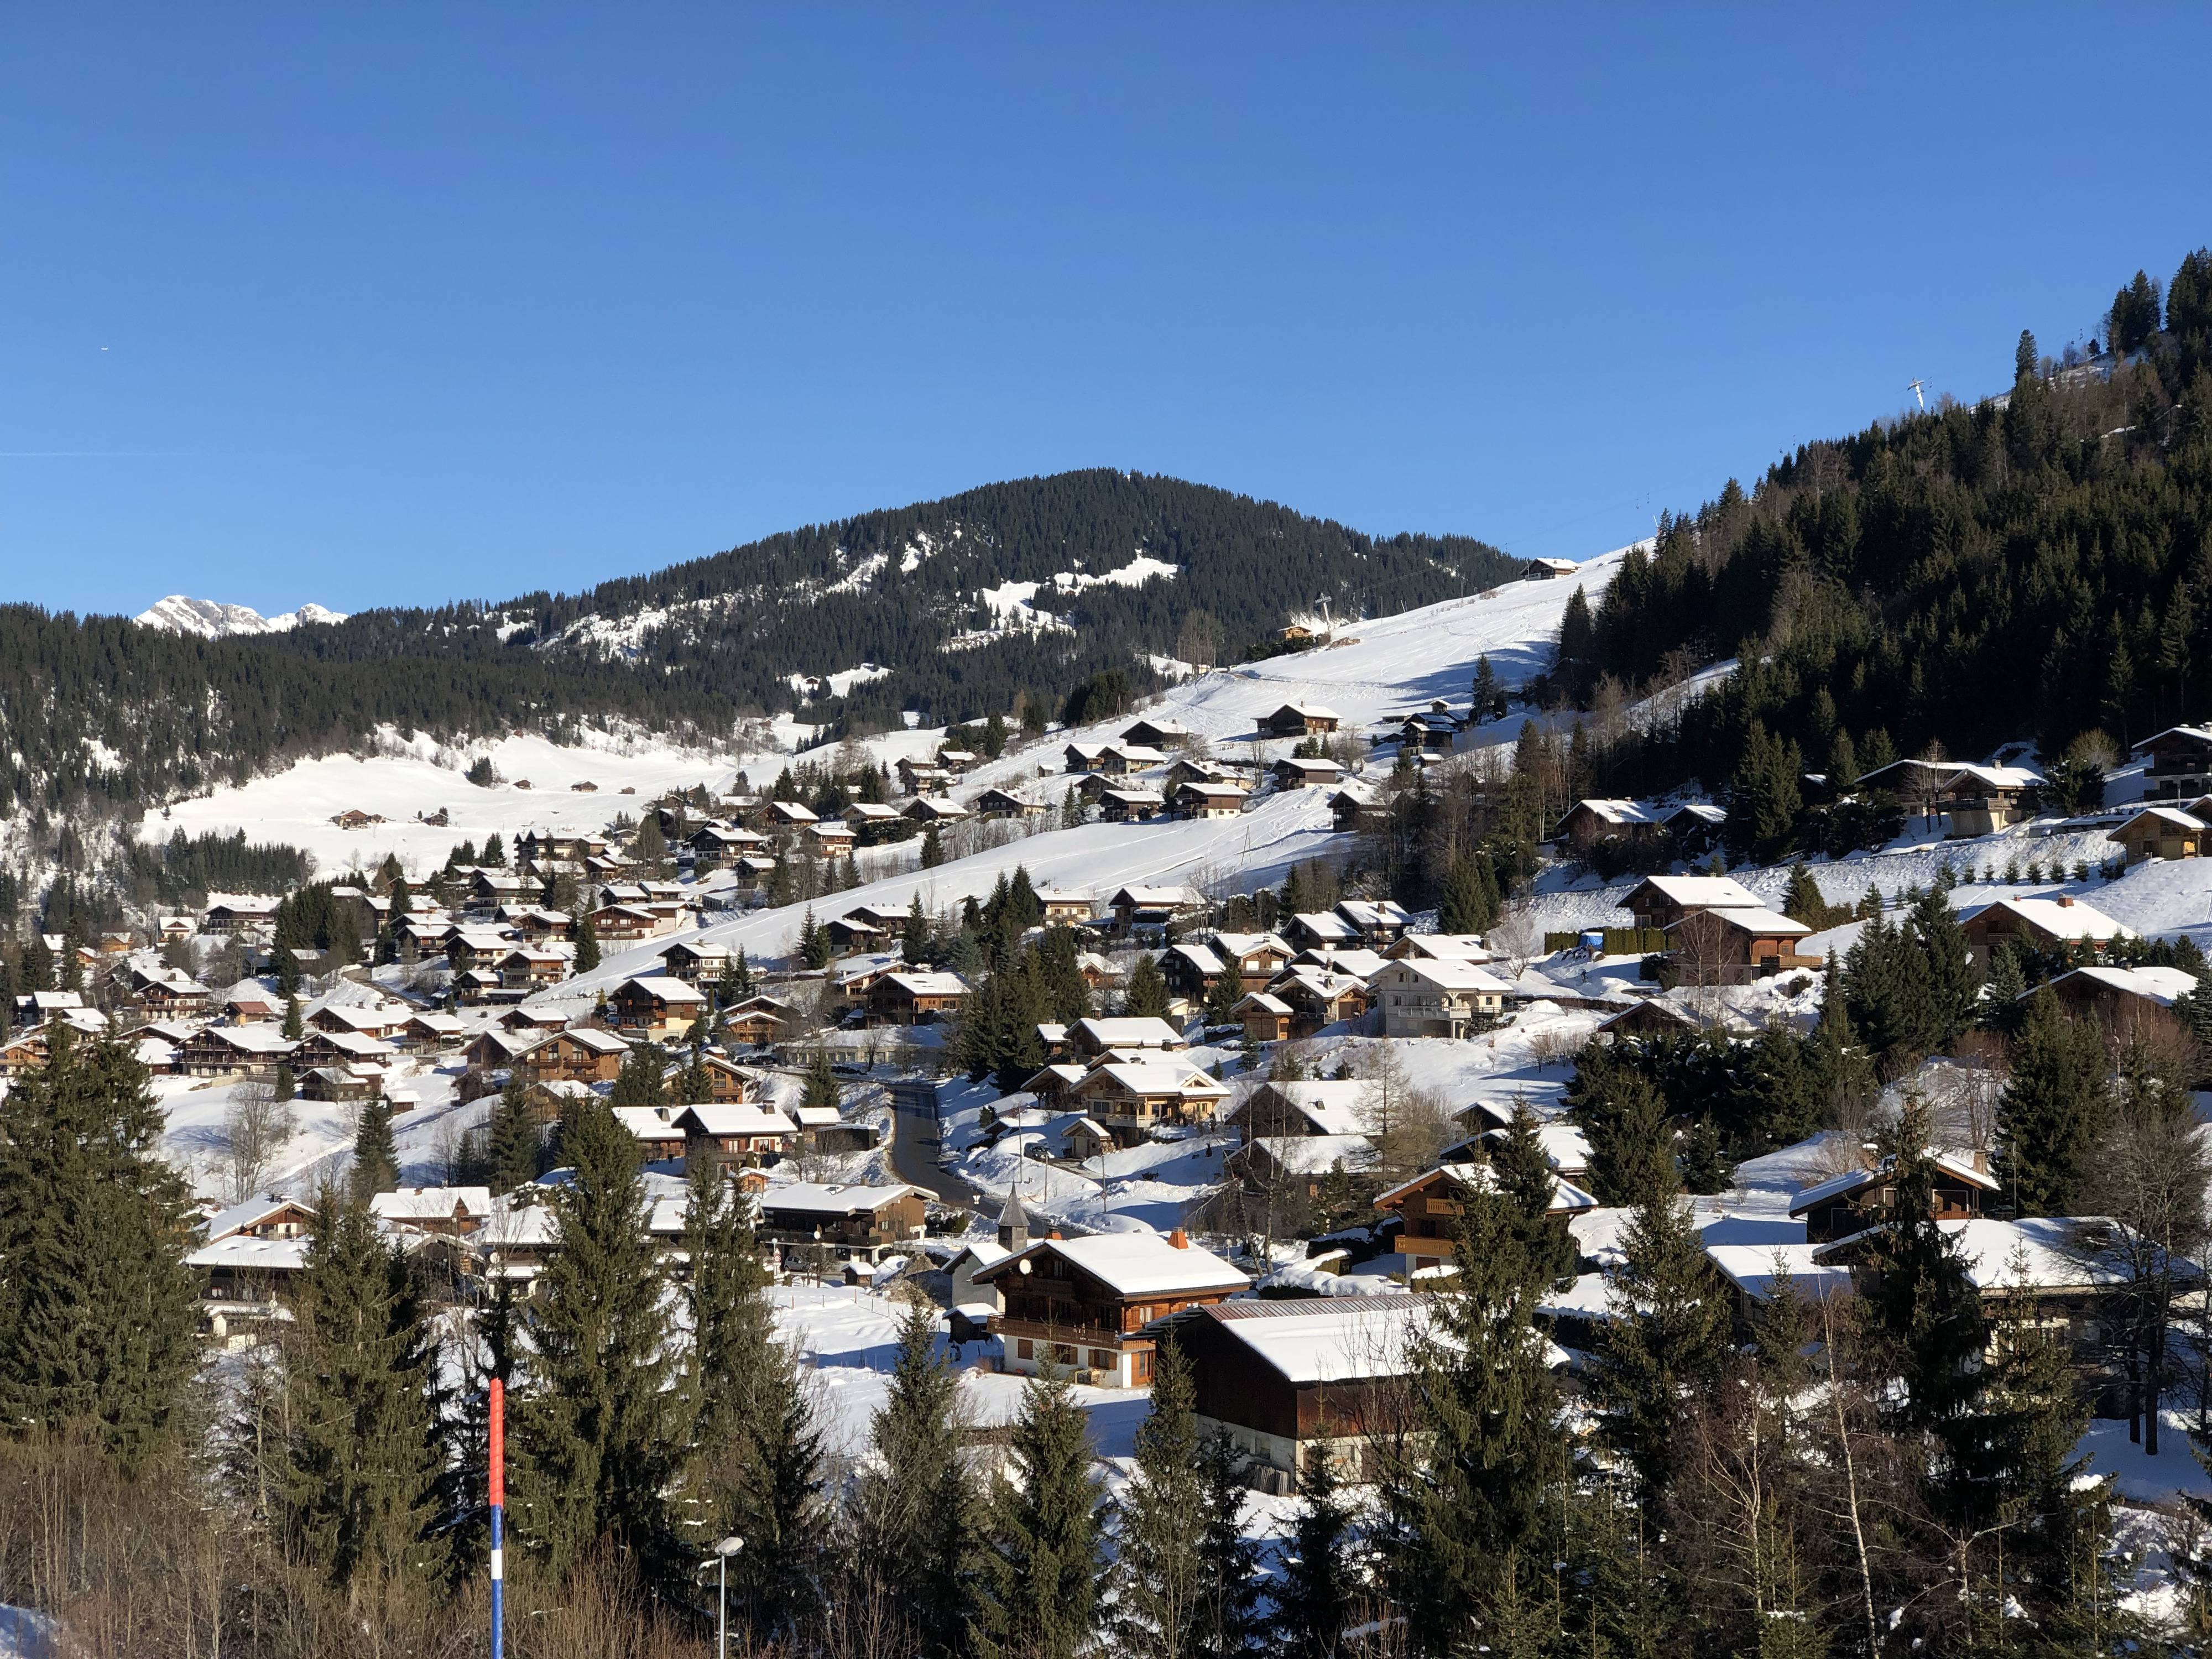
{"x": 1180, "y": 1239}
{"x": 2066, "y": 899}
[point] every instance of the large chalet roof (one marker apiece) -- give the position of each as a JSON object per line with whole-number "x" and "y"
{"x": 2159, "y": 985}
{"x": 254, "y": 1211}
{"x": 833, "y": 1197}
{"x": 1149, "y": 898}
{"x": 663, "y": 988}
{"x": 1697, "y": 892}
{"x": 1448, "y": 975}
{"x": 1132, "y": 1264}
{"x": 1335, "y": 1339}
{"x": 2195, "y": 734}
{"x": 1336, "y": 1107}
{"x": 1617, "y": 813}
{"x": 430, "y": 1203}
{"x": 1852, "y": 1180}
{"x": 737, "y": 1118}
{"x": 1130, "y": 1031}
{"x": 1479, "y": 1177}
{"x": 1162, "y": 1077}
{"x": 1752, "y": 918}
{"x": 2066, "y": 919}
{"x": 2171, "y": 818}
{"x": 934, "y": 983}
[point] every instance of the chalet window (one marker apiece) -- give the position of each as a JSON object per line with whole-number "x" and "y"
{"x": 1025, "y": 1349}
{"x": 1063, "y": 1353}
{"x": 1100, "y": 1360}
{"x": 1140, "y": 1366}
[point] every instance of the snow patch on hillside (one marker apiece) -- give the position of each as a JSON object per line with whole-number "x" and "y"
{"x": 212, "y": 619}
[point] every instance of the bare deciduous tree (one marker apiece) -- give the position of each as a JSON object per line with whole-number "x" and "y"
{"x": 256, "y": 1129}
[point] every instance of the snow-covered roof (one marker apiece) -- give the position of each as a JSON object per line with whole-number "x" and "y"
{"x": 935, "y": 983}
{"x": 1136, "y": 1264}
{"x": 1754, "y": 1269}
{"x": 1749, "y": 919}
{"x": 1702, "y": 892}
{"x": 1851, "y": 1179}
{"x": 1316, "y": 1155}
{"x": 251, "y": 1213}
{"x": 1130, "y": 1032}
{"x": 648, "y": 1122}
{"x": 1617, "y": 811}
{"x": 738, "y": 1118}
{"x": 1443, "y": 947}
{"x": 243, "y": 1253}
{"x": 2159, "y": 985}
{"x": 1336, "y": 1107}
{"x": 1159, "y": 1077}
{"x": 833, "y": 1197}
{"x": 664, "y": 989}
{"x": 2197, "y": 733}
{"x": 1331, "y": 1340}
{"x": 430, "y": 1203}
{"x": 1479, "y": 1177}
{"x": 1447, "y": 976}
{"x": 2173, "y": 816}
{"x": 1147, "y": 898}
{"x": 2062, "y": 919}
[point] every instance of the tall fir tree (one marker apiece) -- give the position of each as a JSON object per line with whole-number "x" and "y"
{"x": 598, "y": 1427}
{"x": 1230, "y": 1621}
{"x": 1147, "y": 997}
{"x": 1667, "y": 1338}
{"x": 1468, "y": 903}
{"x": 1158, "y": 1607}
{"x": 1949, "y": 980}
{"x": 1525, "y": 1177}
{"x": 913, "y": 1505}
{"x": 363, "y": 1460}
{"x": 375, "y": 1159}
{"x": 1317, "y": 1597}
{"x": 1222, "y": 997}
{"x": 1923, "y": 1316}
{"x": 1465, "y": 1492}
{"x": 513, "y": 1140}
{"x": 587, "y": 942}
{"x": 2054, "y": 1108}
{"x": 1041, "y": 1558}
{"x": 1624, "y": 1117}
{"x": 97, "y": 1309}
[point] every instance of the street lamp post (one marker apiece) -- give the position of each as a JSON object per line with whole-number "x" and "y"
{"x": 723, "y": 1552}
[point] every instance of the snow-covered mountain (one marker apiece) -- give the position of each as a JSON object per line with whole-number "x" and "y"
{"x": 212, "y": 619}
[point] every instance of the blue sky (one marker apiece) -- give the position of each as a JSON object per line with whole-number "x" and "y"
{"x": 399, "y": 304}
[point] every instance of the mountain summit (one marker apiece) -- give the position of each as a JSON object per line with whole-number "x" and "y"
{"x": 212, "y": 619}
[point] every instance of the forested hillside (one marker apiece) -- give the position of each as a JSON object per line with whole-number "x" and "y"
{"x": 103, "y": 713}
{"x": 2036, "y": 567}
{"x": 902, "y": 588}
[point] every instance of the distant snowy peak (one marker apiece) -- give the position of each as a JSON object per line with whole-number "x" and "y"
{"x": 212, "y": 620}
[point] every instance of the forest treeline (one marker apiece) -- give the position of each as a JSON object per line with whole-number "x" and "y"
{"x": 2035, "y": 568}
{"x": 893, "y": 588}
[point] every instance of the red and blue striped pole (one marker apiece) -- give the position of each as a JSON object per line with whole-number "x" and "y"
{"x": 498, "y": 1566}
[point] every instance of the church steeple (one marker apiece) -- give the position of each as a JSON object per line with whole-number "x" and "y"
{"x": 1014, "y": 1223}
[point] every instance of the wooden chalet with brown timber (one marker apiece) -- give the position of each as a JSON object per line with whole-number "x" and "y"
{"x": 656, "y": 1005}
{"x": 1859, "y": 1199}
{"x": 1266, "y": 1017}
{"x": 758, "y": 1020}
{"x": 1083, "y": 1305}
{"x": 1663, "y": 900}
{"x": 847, "y": 1218}
{"x": 2178, "y": 763}
{"x": 1588, "y": 822}
{"x": 1733, "y": 947}
{"x": 2160, "y": 832}
{"x": 254, "y": 1051}
{"x": 2037, "y": 924}
{"x": 1131, "y": 1098}
{"x": 1431, "y": 1203}
{"x": 1302, "y": 719}
{"x": 583, "y": 1054}
{"x": 694, "y": 961}
{"x": 915, "y": 996}
{"x": 1290, "y": 1381}
{"x": 733, "y": 1133}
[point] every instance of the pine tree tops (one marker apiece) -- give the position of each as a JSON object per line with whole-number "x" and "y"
{"x": 1147, "y": 995}
{"x": 1042, "y": 1555}
{"x": 2054, "y": 1108}
{"x": 375, "y": 1167}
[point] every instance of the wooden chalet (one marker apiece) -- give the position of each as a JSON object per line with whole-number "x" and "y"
{"x": 934, "y": 809}
{"x": 1859, "y": 1199}
{"x": 656, "y": 1005}
{"x": 1156, "y": 734}
{"x": 1119, "y": 760}
{"x": 847, "y": 1218}
{"x": 1063, "y": 909}
{"x": 1423, "y": 998}
{"x": 582, "y": 1055}
{"x": 1733, "y": 947}
{"x": 694, "y": 961}
{"x": 1129, "y": 805}
{"x": 1290, "y": 1381}
{"x": 2037, "y": 924}
{"x": 2178, "y": 763}
{"x": 2160, "y": 832}
{"x": 1310, "y": 773}
{"x": 914, "y": 996}
{"x": 1084, "y": 1305}
{"x": 733, "y": 1133}
{"x": 1266, "y": 1017}
{"x": 1588, "y": 822}
{"x": 1213, "y": 799}
{"x": 1005, "y": 803}
{"x": 1152, "y": 907}
{"x": 234, "y": 1051}
{"x": 1301, "y": 720}
{"x": 758, "y": 1020}
{"x": 1133, "y": 1098}
{"x": 1430, "y": 1204}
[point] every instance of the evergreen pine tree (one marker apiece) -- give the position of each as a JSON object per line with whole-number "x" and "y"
{"x": 296, "y": 1026}
{"x": 1158, "y": 1604}
{"x": 1489, "y": 694}
{"x": 913, "y": 1505}
{"x": 1468, "y": 1496}
{"x": 816, "y": 948}
{"x": 600, "y": 1431}
{"x": 587, "y": 942}
{"x": 1624, "y": 1117}
{"x": 375, "y": 1159}
{"x": 726, "y": 990}
{"x": 1950, "y": 984}
{"x": 822, "y": 1086}
{"x": 1222, "y": 998}
{"x": 494, "y": 856}
{"x": 642, "y": 1080}
{"x": 1468, "y": 903}
{"x": 1318, "y": 1595}
{"x": 1229, "y": 1619}
{"x": 1526, "y": 1178}
{"x": 286, "y": 1085}
{"x": 97, "y": 1310}
{"x": 1923, "y": 1319}
{"x": 1147, "y": 996}
{"x": 914, "y": 942}
{"x": 2054, "y": 1108}
{"x": 364, "y": 1465}
{"x": 1038, "y": 1590}
{"x": 38, "y": 965}
{"x": 1668, "y": 1334}
{"x": 514, "y": 1141}
{"x": 932, "y": 850}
